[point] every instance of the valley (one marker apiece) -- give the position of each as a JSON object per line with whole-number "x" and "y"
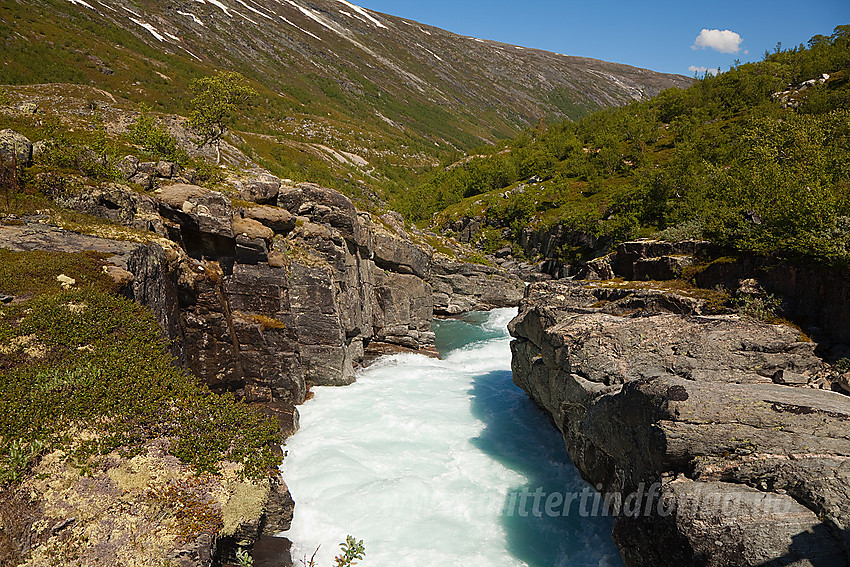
{"x": 385, "y": 193}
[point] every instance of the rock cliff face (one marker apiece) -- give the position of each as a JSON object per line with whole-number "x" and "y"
{"x": 267, "y": 296}
{"x": 817, "y": 297}
{"x": 266, "y": 300}
{"x": 694, "y": 415}
{"x": 274, "y": 299}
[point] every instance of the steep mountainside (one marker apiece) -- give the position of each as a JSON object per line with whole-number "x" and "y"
{"x": 383, "y": 87}
{"x": 755, "y": 159}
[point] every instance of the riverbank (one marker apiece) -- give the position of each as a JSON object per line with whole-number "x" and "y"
{"x": 717, "y": 426}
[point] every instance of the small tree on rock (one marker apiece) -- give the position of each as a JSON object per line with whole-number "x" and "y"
{"x": 217, "y": 99}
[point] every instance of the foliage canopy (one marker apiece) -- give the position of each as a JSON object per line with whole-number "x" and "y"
{"x": 217, "y": 100}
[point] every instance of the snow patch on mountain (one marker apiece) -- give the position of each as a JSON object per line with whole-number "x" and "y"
{"x": 263, "y": 14}
{"x": 138, "y": 15}
{"x": 107, "y": 6}
{"x": 81, "y": 3}
{"x": 363, "y": 12}
{"x": 193, "y": 16}
{"x": 315, "y": 17}
{"x": 429, "y": 51}
{"x": 224, "y": 8}
{"x": 190, "y": 53}
{"x": 154, "y": 32}
{"x": 301, "y": 29}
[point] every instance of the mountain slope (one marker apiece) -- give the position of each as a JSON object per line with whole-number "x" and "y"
{"x": 756, "y": 159}
{"x": 336, "y": 73}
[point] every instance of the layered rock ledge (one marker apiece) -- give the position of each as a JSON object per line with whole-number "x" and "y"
{"x": 695, "y": 415}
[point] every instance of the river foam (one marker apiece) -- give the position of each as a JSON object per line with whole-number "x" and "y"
{"x": 423, "y": 459}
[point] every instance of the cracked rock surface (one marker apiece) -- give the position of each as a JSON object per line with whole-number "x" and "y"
{"x": 654, "y": 397}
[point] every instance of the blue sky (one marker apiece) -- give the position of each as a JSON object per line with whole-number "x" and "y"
{"x": 658, "y": 35}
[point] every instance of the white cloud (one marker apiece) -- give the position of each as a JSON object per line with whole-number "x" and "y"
{"x": 703, "y": 70}
{"x": 725, "y": 41}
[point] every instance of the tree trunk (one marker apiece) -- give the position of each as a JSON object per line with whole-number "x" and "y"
{"x": 218, "y": 153}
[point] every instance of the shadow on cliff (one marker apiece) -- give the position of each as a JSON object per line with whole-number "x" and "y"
{"x": 522, "y": 438}
{"x": 823, "y": 546}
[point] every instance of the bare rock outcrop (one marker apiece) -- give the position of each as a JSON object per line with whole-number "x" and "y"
{"x": 267, "y": 299}
{"x": 656, "y": 397}
{"x": 15, "y": 148}
{"x": 460, "y": 287}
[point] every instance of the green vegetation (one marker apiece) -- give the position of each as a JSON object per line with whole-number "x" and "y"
{"x": 91, "y": 152}
{"x": 345, "y": 103}
{"x": 761, "y": 308}
{"x": 154, "y": 139}
{"x": 217, "y": 100}
{"x": 352, "y": 550}
{"x": 88, "y": 372}
{"x": 159, "y": 144}
{"x": 724, "y": 159}
{"x": 243, "y": 558}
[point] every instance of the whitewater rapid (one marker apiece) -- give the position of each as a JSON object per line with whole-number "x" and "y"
{"x": 424, "y": 460}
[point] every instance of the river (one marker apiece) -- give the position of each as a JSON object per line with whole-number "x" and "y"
{"x": 437, "y": 463}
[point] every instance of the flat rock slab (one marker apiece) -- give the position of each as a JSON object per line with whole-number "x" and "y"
{"x": 36, "y": 236}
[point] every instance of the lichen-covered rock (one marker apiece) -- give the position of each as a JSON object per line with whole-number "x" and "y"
{"x": 15, "y": 146}
{"x": 650, "y": 395}
{"x": 143, "y": 180}
{"x": 251, "y": 228}
{"x": 166, "y": 169}
{"x": 279, "y": 220}
{"x": 128, "y": 166}
{"x": 201, "y": 209}
{"x": 133, "y": 511}
{"x": 116, "y": 202}
{"x": 324, "y": 206}
{"x": 262, "y": 189}
{"x": 599, "y": 269}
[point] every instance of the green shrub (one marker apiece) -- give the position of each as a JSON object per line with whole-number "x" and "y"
{"x": 352, "y": 551}
{"x": 722, "y": 160}
{"x": 244, "y": 559}
{"x": 762, "y": 308}
{"x": 83, "y": 361}
{"x": 489, "y": 239}
{"x": 90, "y": 153}
{"x": 155, "y": 139}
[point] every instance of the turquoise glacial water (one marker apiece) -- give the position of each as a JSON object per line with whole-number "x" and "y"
{"x": 435, "y": 463}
